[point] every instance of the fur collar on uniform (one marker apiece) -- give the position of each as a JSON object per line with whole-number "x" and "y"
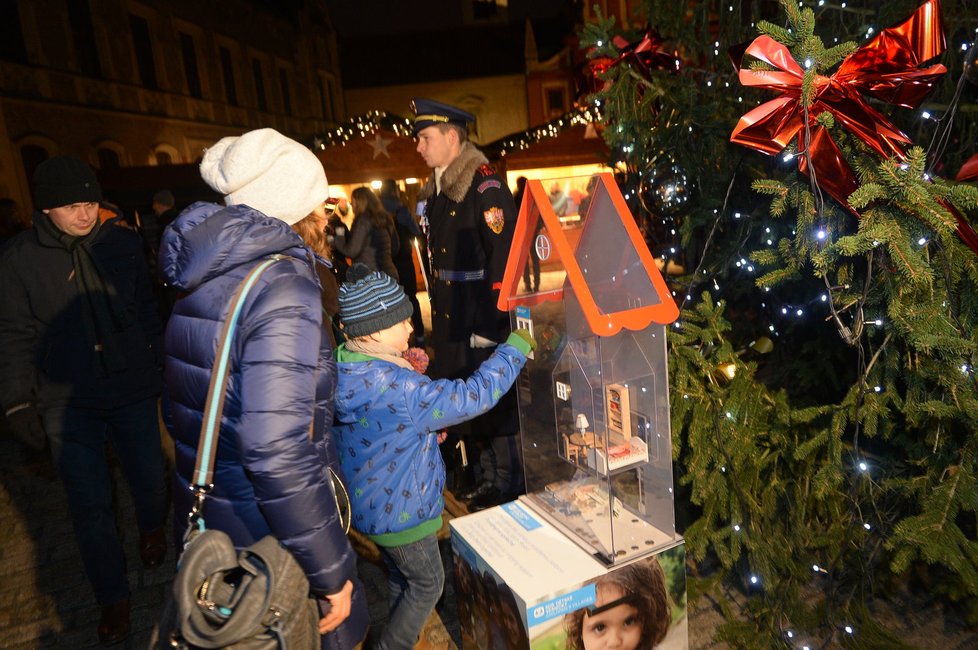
{"x": 457, "y": 177}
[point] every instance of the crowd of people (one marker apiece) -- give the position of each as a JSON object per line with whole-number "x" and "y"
{"x": 104, "y": 318}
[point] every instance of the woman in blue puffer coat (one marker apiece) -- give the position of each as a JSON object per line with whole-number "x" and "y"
{"x": 270, "y": 475}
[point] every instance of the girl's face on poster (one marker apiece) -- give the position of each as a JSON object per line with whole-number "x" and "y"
{"x": 618, "y": 628}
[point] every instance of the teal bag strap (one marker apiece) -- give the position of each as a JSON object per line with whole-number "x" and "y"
{"x": 210, "y": 427}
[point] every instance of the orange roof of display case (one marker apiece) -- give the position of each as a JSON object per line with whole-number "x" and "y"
{"x": 587, "y": 262}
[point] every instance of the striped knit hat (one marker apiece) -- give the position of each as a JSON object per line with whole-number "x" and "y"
{"x": 371, "y": 301}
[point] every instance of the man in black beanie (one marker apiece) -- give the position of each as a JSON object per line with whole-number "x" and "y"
{"x": 80, "y": 338}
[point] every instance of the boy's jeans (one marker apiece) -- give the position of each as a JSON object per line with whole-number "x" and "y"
{"x": 415, "y": 582}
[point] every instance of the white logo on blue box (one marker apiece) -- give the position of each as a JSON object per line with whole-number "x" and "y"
{"x": 521, "y": 516}
{"x": 569, "y": 602}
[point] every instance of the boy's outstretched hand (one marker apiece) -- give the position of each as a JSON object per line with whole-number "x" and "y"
{"x": 526, "y": 336}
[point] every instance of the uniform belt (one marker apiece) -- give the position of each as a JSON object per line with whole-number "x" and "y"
{"x": 460, "y": 276}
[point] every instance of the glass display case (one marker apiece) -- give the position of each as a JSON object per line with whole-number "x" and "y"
{"x": 593, "y": 400}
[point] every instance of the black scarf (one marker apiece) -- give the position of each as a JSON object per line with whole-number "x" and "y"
{"x": 103, "y": 314}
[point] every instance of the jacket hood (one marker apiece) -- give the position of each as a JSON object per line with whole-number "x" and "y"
{"x": 208, "y": 240}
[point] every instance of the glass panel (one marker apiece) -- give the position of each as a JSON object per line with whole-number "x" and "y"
{"x": 611, "y": 266}
{"x": 594, "y": 410}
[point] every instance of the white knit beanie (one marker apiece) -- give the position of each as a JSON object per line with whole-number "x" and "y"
{"x": 267, "y": 171}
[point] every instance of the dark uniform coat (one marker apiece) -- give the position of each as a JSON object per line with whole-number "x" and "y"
{"x": 469, "y": 225}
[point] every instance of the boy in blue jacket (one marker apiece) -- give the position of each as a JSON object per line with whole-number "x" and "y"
{"x": 387, "y": 421}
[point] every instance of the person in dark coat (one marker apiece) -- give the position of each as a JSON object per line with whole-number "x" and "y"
{"x": 408, "y": 233}
{"x": 12, "y": 220}
{"x": 271, "y": 473}
{"x": 80, "y": 368}
{"x": 372, "y": 239}
{"x": 469, "y": 218}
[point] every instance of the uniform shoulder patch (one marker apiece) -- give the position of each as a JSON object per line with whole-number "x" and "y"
{"x": 495, "y": 219}
{"x": 487, "y": 170}
{"x": 489, "y": 183}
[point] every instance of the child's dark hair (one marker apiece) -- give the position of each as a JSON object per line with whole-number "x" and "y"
{"x": 645, "y": 582}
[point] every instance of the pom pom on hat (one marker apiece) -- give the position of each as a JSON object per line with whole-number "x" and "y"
{"x": 267, "y": 171}
{"x": 371, "y": 301}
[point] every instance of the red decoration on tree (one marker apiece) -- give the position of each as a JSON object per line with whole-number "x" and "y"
{"x": 643, "y": 55}
{"x": 887, "y": 67}
{"x": 969, "y": 170}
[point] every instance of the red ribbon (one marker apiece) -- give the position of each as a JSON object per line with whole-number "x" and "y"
{"x": 887, "y": 67}
{"x": 644, "y": 55}
{"x": 969, "y": 170}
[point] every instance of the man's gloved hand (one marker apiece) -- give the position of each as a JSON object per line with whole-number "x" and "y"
{"x": 25, "y": 424}
{"x": 526, "y": 336}
{"x": 476, "y": 341}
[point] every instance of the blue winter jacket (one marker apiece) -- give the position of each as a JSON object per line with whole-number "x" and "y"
{"x": 271, "y": 471}
{"x": 387, "y": 421}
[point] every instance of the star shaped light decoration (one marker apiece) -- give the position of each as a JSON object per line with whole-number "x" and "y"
{"x": 379, "y": 145}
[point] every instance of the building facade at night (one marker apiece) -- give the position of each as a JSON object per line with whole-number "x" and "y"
{"x": 124, "y": 83}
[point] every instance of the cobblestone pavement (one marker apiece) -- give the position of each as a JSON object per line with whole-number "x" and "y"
{"x": 45, "y": 598}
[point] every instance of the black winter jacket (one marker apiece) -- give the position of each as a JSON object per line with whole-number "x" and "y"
{"x": 46, "y": 357}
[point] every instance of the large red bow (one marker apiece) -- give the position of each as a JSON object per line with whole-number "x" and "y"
{"x": 887, "y": 67}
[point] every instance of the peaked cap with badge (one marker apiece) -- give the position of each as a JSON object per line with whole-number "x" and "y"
{"x": 428, "y": 112}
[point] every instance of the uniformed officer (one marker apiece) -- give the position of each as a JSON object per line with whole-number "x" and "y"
{"x": 469, "y": 217}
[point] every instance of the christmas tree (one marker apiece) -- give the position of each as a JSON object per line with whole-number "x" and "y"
{"x": 823, "y": 386}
